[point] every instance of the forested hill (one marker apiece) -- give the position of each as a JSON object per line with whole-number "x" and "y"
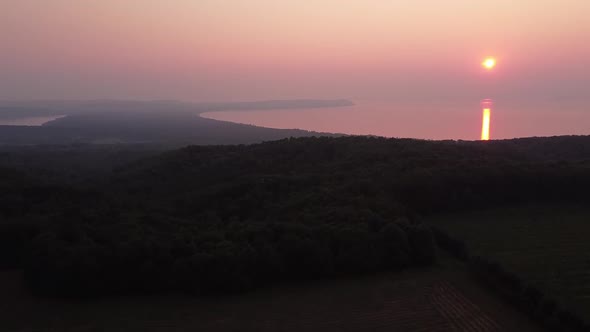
{"x": 337, "y": 177}
{"x": 207, "y": 219}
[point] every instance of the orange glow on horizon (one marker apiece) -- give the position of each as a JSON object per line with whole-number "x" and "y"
{"x": 485, "y": 128}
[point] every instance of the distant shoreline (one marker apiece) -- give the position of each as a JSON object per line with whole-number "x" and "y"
{"x": 35, "y": 114}
{"x": 30, "y": 121}
{"x": 272, "y": 105}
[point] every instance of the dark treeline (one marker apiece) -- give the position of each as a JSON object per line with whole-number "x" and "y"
{"x": 512, "y": 288}
{"x": 226, "y": 218}
{"x": 75, "y": 164}
{"x": 390, "y": 177}
{"x": 154, "y": 255}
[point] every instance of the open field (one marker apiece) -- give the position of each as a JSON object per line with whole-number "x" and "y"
{"x": 546, "y": 245}
{"x": 420, "y": 300}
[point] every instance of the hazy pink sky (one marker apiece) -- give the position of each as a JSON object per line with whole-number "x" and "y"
{"x": 207, "y": 50}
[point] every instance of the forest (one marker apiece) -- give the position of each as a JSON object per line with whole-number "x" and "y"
{"x": 219, "y": 219}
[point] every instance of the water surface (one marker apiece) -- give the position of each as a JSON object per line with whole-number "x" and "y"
{"x": 427, "y": 120}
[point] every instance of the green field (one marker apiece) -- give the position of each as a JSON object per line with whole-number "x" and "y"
{"x": 547, "y": 245}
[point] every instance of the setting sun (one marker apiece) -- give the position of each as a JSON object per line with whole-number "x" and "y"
{"x": 489, "y": 63}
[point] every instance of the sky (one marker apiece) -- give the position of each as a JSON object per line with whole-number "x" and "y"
{"x": 218, "y": 50}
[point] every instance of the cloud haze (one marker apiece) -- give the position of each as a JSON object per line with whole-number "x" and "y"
{"x": 259, "y": 49}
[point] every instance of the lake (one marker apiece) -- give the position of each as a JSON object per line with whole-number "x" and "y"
{"x": 428, "y": 120}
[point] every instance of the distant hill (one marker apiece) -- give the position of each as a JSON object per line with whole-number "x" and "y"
{"x": 15, "y": 109}
{"x": 157, "y": 122}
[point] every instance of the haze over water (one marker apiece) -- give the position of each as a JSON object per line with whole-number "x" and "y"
{"x": 29, "y": 121}
{"x": 442, "y": 120}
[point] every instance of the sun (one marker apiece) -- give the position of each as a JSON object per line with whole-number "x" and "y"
{"x": 489, "y": 63}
